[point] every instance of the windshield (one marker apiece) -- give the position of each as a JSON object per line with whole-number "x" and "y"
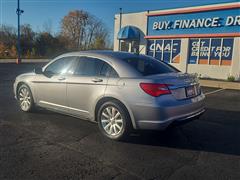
{"x": 149, "y": 66}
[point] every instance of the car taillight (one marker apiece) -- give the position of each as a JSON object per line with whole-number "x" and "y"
{"x": 155, "y": 89}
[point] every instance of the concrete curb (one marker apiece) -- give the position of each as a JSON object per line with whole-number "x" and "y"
{"x": 24, "y": 60}
{"x": 220, "y": 84}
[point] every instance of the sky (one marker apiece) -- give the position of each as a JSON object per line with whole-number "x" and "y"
{"x": 40, "y": 12}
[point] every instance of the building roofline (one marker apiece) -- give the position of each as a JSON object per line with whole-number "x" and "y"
{"x": 213, "y": 7}
{"x": 193, "y": 36}
{"x": 184, "y": 8}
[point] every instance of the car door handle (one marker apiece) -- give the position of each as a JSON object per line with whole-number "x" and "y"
{"x": 97, "y": 80}
{"x": 61, "y": 78}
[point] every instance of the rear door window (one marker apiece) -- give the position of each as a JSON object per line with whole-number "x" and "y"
{"x": 149, "y": 66}
{"x": 88, "y": 66}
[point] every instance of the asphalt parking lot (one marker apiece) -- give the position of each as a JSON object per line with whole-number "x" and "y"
{"x": 46, "y": 145}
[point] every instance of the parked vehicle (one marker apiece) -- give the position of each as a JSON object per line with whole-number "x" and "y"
{"x": 121, "y": 91}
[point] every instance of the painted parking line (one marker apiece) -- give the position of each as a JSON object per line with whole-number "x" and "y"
{"x": 212, "y": 92}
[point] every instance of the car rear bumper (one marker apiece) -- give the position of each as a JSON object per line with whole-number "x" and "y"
{"x": 160, "y": 117}
{"x": 161, "y": 125}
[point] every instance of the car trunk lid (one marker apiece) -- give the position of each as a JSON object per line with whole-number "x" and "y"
{"x": 181, "y": 85}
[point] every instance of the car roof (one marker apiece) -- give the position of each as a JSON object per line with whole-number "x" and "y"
{"x": 112, "y": 57}
{"x": 103, "y": 54}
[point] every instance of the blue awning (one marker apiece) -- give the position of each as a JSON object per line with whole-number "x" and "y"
{"x": 129, "y": 33}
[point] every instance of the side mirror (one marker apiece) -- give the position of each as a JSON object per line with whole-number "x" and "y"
{"x": 38, "y": 70}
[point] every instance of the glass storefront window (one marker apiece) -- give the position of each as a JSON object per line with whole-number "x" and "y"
{"x": 193, "y": 51}
{"x": 151, "y": 48}
{"x": 214, "y": 51}
{"x": 167, "y": 50}
{"x": 204, "y": 51}
{"x": 227, "y": 51}
{"x": 176, "y": 44}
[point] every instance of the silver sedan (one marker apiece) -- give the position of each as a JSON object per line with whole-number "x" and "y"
{"x": 121, "y": 91}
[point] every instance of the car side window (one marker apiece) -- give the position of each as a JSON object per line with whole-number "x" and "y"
{"x": 88, "y": 66}
{"x": 61, "y": 66}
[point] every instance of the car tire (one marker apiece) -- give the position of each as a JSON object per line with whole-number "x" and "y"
{"x": 114, "y": 120}
{"x": 25, "y": 98}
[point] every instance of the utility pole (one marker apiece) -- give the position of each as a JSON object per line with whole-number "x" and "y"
{"x": 19, "y": 12}
{"x": 120, "y": 26}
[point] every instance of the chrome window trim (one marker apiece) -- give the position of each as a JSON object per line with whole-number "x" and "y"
{"x": 62, "y": 106}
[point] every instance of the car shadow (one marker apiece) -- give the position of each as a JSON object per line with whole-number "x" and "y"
{"x": 216, "y": 131}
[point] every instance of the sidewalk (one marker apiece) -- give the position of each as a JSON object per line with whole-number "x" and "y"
{"x": 220, "y": 84}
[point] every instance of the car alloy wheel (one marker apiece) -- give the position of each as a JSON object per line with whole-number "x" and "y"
{"x": 114, "y": 120}
{"x": 111, "y": 120}
{"x": 25, "y": 98}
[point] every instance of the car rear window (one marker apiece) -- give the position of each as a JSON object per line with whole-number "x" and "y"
{"x": 149, "y": 66}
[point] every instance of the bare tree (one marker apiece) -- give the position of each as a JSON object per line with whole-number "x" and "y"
{"x": 73, "y": 27}
{"x": 83, "y": 30}
{"x": 27, "y": 38}
{"x": 93, "y": 26}
{"x": 47, "y": 26}
{"x": 79, "y": 31}
{"x": 8, "y": 35}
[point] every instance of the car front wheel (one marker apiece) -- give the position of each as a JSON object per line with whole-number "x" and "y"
{"x": 25, "y": 98}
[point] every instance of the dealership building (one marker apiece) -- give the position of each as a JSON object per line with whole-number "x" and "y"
{"x": 202, "y": 39}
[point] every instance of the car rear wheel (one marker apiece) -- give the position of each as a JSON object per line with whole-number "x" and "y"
{"x": 25, "y": 98}
{"x": 113, "y": 120}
